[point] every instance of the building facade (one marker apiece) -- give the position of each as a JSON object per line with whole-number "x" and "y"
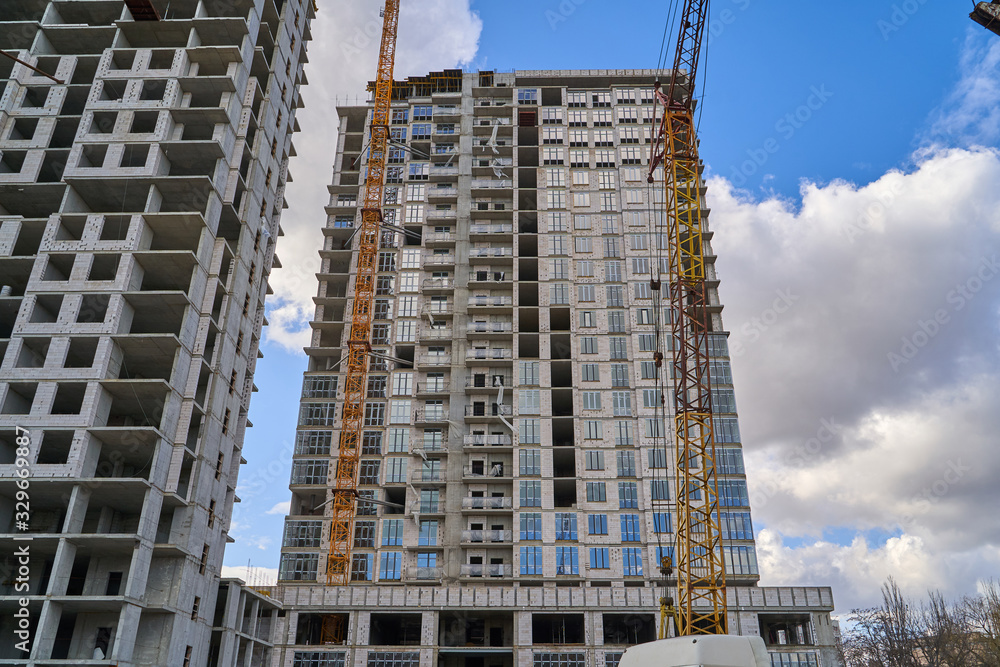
{"x": 514, "y": 444}
{"x": 141, "y": 185}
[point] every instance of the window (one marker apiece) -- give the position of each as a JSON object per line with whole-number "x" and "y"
{"x": 616, "y": 321}
{"x": 608, "y": 201}
{"x": 632, "y": 562}
{"x": 560, "y": 269}
{"x": 567, "y": 560}
{"x": 399, "y": 411}
{"x": 399, "y": 440}
{"x": 736, "y": 525}
{"x": 591, "y": 400}
{"x": 369, "y": 472}
{"x": 581, "y": 221}
{"x": 659, "y": 489}
{"x": 310, "y": 471}
{"x": 602, "y": 99}
{"x": 558, "y": 245}
{"x": 419, "y": 171}
{"x": 556, "y": 198}
{"x": 661, "y": 522}
{"x": 576, "y": 99}
{"x": 723, "y": 400}
{"x": 647, "y": 342}
{"x": 729, "y": 461}
{"x": 531, "y": 560}
{"x": 616, "y": 296}
{"x": 559, "y": 294}
{"x": 599, "y": 559}
{"x": 303, "y": 534}
{"x": 390, "y": 565}
{"x": 591, "y": 373}
{"x": 392, "y": 533}
{"x": 559, "y": 660}
{"x": 597, "y": 524}
{"x": 422, "y": 112}
{"x": 643, "y": 290}
{"x": 395, "y": 472}
{"x": 585, "y": 293}
{"x": 628, "y": 115}
{"x": 393, "y": 659}
{"x": 529, "y": 372}
{"x": 630, "y": 527}
{"x": 428, "y": 534}
{"x": 584, "y": 268}
{"x": 626, "y": 463}
{"x": 740, "y": 560}
{"x": 587, "y": 319}
{"x": 605, "y": 157}
{"x": 651, "y": 398}
{"x": 629, "y": 135}
{"x": 318, "y": 659}
{"x": 603, "y": 138}
{"x": 577, "y": 118}
{"x": 557, "y": 221}
{"x": 552, "y": 116}
{"x": 592, "y": 431}
{"x": 553, "y": 135}
{"x": 364, "y": 534}
{"x": 733, "y": 493}
{"x": 720, "y": 372}
{"x": 531, "y": 526}
{"x": 628, "y": 495}
{"x": 579, "y": 158}
{"x": 649, "y": 370}
{"x": 596, "y": 492}
{"x": 530, "y": 431}
{"x": 566, "y": 526}
{"x": 374, "y": 414}
{"x": 553, "y": 155}
{"x": 555, "y": 178}
{"x": 588, "y": 345}
{"x": 631, "y": 154}
{"x": 298, "y": 567}
{"x": 529, "y": 401}
{"x": 421, "y": 131}
{"x": 657, "y": 458}
{"x": 531, "y": 494}
{"x": 726, "y": 429}
{"x": 581, "y": 199}
{"x": 621, "y": 402}
{"x": 530, "y": 462}
{"x": 527, "y": 96}
{"x": 619, "y": 375}
{"x": 623, "y": 433}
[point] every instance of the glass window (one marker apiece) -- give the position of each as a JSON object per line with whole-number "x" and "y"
{"x": 628, "y": 495}
{"x": 632, "y": 561}
{"x": 736, "y": 525}
{"x": 626, "y": 463}
{"x": 530, "y": 431}
{"x": 599, "y": 559}
{"x": 597, "y": 524}
{"x": 567, "y": 560}
{"x": 595, "y": 460}
{"x": 630, "y": 527}
{"x": 566, "y": 526}
{"x": 591, "y": 400}
{"x": 592, "y": 431}
{"x": 740, "y": 560}
{"x": 531, "y": 560}
{"x": 661, "y": 522}
{"x": 392, "y": 532}
{"x": 390, "y": 565}
{"x": 531, "y": 526}
{"x": 591, "y": 372}
{"x": 596, "y": 492}
{"x": 531, "y": 493}
{"x": 733, "y": 493}
{"x": 530, "y": 462}
{"x": 659, "y": 489}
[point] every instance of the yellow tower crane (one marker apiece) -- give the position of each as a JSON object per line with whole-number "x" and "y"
{"x": 359, "y": 345}
{"x": 701, "y": 576}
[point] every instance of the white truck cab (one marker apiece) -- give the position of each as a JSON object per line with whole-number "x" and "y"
{"x": 699, "y": 651}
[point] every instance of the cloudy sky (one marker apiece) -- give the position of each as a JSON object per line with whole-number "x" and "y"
{"x": 854, "y": 176}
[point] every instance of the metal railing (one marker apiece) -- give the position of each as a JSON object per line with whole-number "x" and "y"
{"x": 487, "y": 536}
{"x": 503, "y": 503}
{"x": 496, "y": 228}
{"x": 490, "y": 327}
{"x": 488, "y": 381}
{"x": 435, "y": 360}
{"x": 483, "y": 301}
{"x": 496, "y": 353}
{"x": 480, "y": 440}
{"x": 426, "y": 476}
{"x": 424, "y": 415}
{"x": 486, "y": 570}
{"x": 492, "y": 470}
{"x": 490, "y": 252}
{"x": 432, "y": 260}
{"x": 493, "y": 410}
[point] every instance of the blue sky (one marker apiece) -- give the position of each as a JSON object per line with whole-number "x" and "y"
{"x": 844, "y": 146}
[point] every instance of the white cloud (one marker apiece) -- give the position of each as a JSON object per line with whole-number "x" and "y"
{"x": 971, "y": 114}
{"x": 433, "y": 35}
{"x": 281, "y": 508}
{"x": 864, "y": 325}
{"x": 254, "y": 576}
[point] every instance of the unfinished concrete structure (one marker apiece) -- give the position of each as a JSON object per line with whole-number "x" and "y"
{"x": 139, "y": 204}
{"x": 511, "y": 420}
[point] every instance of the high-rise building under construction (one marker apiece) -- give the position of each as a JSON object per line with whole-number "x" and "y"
{"x": 516, "y": 474}
{"x": 143, "y": 158}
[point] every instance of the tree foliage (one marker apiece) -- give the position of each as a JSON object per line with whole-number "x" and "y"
{"x": 932, "y": 633}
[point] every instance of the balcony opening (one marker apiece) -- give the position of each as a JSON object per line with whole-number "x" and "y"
{"x": 144, "y": 122}
{"x": 395, "y": 630}
{"x": 12, "y": 161}
{"x": 55, "y": 446}
{"x": 33, "y": 352}
{"x": 564, "y": 492}
{"x": 59, "y": 268}
{"x": 71, "y": 227}
{"x": 564, "y": 462}
{"x": 20, "y": 396}
{"x": 104, "y": 267}
{"x": 81, "y": 352}
{"x": 786, "y": 629}
{"x": 562, "y": 374}
{"x": 528, "y": 295}
{"x": 24, "y": 129}
{"x": 560, "y": 346}
{"x": 93, "y": 308}
{"x": 528, "y": 319}
{"x": 559, "y": 319}
{"x": 629, "y": 629}
{"x": 527, "y": 270}
{"x": 528, "y": 346}
{"x": 562, "y": 431}
{"x": 557, "y": 629}
{"x": 562, "y": 403}
{"x": 69, "y": 398}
